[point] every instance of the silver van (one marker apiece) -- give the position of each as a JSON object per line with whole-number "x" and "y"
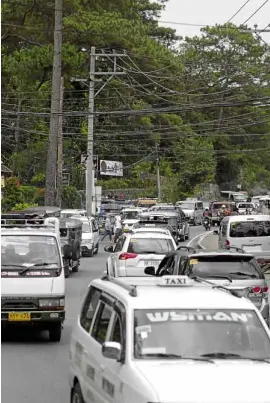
{"x": 250, "y": 233}
{"x": 193, "y": 209}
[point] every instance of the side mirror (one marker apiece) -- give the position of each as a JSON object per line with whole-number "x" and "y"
{"x": 216, "y": 232}
{"x": 150, "y": 271}
{"x": 112, "y": 350}
{"x": 108, "y": 248}
{"x": 67, "y": 252}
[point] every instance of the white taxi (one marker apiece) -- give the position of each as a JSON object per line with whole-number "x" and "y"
{"x": 141, "y": 340}
{"x": 133, "y": 252}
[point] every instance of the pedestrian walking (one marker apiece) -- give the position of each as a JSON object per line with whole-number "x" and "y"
{"x": 108, "y": 229}
{"x": 117, "y": 228}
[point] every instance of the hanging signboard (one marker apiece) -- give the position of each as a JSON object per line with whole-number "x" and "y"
{"x": 111, "y": 168}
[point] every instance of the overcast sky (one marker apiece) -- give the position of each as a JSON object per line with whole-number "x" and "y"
{"x": 211, "y": 12}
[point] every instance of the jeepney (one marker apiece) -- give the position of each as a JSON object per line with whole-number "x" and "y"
{"x": 71, "y": 239}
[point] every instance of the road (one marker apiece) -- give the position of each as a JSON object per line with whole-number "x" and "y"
{"x": 35, "y": 370}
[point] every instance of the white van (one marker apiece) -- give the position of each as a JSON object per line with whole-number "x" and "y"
{"x": 130, "y": 217}
{"x": 32, "y": 274}
{"x": 193, "y": 209}
{"x": 250, "y": 233}
{"x": 90, "y": 235}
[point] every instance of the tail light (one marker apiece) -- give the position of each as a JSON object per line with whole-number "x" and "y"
{"x": 125, "y": 256}
{"x": 256, "y": 289}
{"x": 265, "y": 292}
{"x": 228, "y": 244}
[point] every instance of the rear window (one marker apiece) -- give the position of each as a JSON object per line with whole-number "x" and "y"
{"x": 156, "y": 246}
{"x": 217, "y": 206}
{"x": 235, "y": 267}
{"x": 244, "y": 229}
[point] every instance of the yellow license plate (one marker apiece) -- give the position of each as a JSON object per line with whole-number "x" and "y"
{"x": 19, "y": 316}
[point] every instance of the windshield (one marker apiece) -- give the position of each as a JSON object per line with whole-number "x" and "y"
{"x": 217, "y": 206}
{"x": 224, "y": 266}
{"x": 158, "y": 246}
{"x": 195, "y": 333}
{"x": 130, "y": 215}
{"x": 86, "y": 227}
{"x": 244, "y": 229}
{"x": 188, "y": 206}
{"x": 239, "y": 197}
{"x": 156, "y": 208}
{"x": 245, "y": 205}
{"x": 26, "y": 249}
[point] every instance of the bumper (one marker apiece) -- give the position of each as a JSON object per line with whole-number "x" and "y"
{"x": 86, "y": 248}
{"x": 36, "y": 317}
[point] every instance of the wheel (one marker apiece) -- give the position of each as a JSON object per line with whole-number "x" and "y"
{"x": 76, "y": 251}
{"x": 96, "y": 252}
{"x": 55, "y": 332}
{"x": 76, "y": 396}
{"x": 91, "y": 252}
{"x": 67, "y": 272}
{"x": 75, "y": 269}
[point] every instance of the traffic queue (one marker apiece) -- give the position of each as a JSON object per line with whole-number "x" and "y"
{"x": 162, "y": 316}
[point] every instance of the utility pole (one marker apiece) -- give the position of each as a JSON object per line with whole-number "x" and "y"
{"x": 158, "y": 173}
{"x": 51, "y": 169}
{"x": 93, "y": 56}
{"x": 90, "y": 137}
{"x": 60, "y": 148}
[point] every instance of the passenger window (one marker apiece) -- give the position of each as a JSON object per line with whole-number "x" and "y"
{"x": 101, "y": 324}
{"x": 116, "y": 334}
{"x": 89, "y": 308}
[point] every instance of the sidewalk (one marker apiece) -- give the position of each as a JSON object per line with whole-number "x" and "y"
{"x": 210, "y": 242}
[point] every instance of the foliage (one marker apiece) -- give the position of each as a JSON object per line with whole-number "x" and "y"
{"x": 22, "y": 206}
{"x": 194, "y": 109}
{"x": 70, "y": 197}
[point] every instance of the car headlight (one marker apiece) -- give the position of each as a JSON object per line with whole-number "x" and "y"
{"x": 52, "y": 303}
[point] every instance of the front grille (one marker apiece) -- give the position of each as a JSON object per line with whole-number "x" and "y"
{"x": 19, "y": 306}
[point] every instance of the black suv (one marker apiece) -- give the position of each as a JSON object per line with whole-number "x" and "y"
{"x": 232, "y": 268}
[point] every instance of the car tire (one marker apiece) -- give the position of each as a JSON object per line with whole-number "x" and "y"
{"x": 55, "y": 332}
{"x": 76, "y": 395}
{"x": 76, "y": 250}
{"x": 75, "y": 269}
{"x": 91, "y": 252}
{"x": 67, "y": 272}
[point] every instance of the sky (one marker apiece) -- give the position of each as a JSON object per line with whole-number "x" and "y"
{"x": 211, "y": 12}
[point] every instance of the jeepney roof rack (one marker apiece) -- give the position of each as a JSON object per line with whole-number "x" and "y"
{"x": 27, "y": 220}
{"x": 132, "y": 289}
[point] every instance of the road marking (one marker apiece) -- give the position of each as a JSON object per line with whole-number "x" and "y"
{"x": 200, "y": 238}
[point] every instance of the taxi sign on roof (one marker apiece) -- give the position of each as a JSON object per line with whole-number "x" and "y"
{"x": 176, "y": 281}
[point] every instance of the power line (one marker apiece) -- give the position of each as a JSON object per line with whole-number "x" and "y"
{"x": 255, "y": 12}
{"x": 238, "y": 11}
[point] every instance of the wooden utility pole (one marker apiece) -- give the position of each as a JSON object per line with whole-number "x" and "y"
{"x": 60, "y": 149}
{"x": 91, "y": 109}
{"x": 51, "y": 170}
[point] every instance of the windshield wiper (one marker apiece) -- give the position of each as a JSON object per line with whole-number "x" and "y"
{"x": 241, "y": 273}
{"x": 177, "y": 356}
{"x": 228, "y": 356}
{"x": 12, "y": 265}
{"x": 212, "y": 276}
{"x": 35, "y": 265}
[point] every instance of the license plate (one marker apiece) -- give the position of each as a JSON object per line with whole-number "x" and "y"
{"x": 151, "y": 263}
{"x": 19, "y": 316}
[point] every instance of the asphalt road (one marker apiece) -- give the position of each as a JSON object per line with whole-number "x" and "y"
{"x": 35, "y": 370}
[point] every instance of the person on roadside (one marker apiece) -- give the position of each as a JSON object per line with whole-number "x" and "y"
{"x": 108, "y": 229}
{"x": 117, "y": 228}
